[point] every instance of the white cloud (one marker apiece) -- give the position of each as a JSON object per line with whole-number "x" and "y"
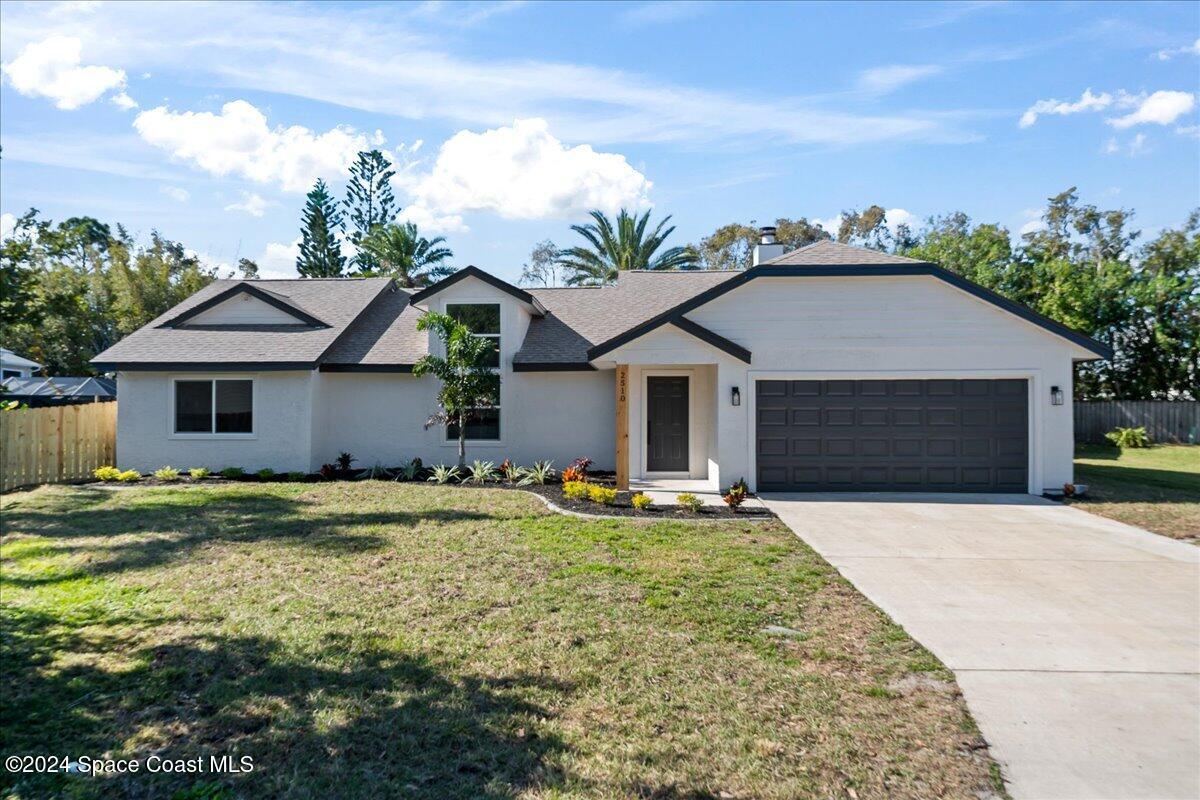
{"x": 239, "y": 141}
{"x": 830, "y": 225}
{"x": 881, "y": 80}
{"x": 253, "y": 204}
{"x": 1111, "y": 147}
{"x": 176, "y": 193}
{"x": 662, "y": 11}
{"x": 1031, "y": 226}
{"x": 1189, "y": 130}
{"x": 8, "y": 224}
{"x": 124, "y": 101}
{"x": 1187, "y": 49}
{"x": 1087, "y": 102}
{"x": 278, "y": 260}
{"x": 431, "y": 223}
{"x": 464, "y": 16}
{"x": 379, "y": 60}
{"x": 1138, "y": 145}
{"x": 898, "y": 216}
{"x": 50, "y": 68}
{"x": 523, "y": 172}
{"x": 1160, "y": 108}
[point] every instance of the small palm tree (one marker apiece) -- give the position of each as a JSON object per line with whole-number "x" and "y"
{"x": 402, "y": 253}
{"x": 468, "y": 383}
{"x": 625, "y": 245}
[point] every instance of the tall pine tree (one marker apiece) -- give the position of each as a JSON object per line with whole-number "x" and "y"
{"x": 320, "y": 252}
{"x": 370, "y": 201}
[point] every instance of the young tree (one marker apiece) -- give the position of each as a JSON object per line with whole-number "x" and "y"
{"x": 369, "y": 201}
{"x": 320, "y": 251}
{"x": 399, "y": 251}
{"x": 543, "y": 268}
{"x": 467, "y": 381}
{"x": 622, "y": 246}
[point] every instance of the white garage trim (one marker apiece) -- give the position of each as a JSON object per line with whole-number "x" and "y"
{"x": 1034, "y": 387}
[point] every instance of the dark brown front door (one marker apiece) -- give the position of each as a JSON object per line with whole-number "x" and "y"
{"x": 667, "y": 424}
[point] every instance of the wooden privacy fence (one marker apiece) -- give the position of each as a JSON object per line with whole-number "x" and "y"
{"x": 1174, "y": 421}
{"x": 56, "y": 445}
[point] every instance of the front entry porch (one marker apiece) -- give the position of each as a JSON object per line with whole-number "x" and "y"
{"x": 666, "y": 426}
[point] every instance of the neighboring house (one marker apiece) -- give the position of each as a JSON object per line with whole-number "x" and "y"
{"x": 827, "y": 368}
{"x": 41, "y": 392}
{"x": 15, "y": 366}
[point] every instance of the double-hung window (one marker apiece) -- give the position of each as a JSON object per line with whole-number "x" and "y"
{"x": 483, "y": 320}
{"x": 214, "y": 406}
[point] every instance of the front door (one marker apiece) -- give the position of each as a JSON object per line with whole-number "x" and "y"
{"x": 667, "y": 424}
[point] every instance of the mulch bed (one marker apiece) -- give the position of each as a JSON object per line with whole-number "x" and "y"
{"x": 553, "y": 492}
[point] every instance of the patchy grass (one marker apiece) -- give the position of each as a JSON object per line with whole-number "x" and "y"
{"x": 1156, "y": 488}
{"x": 374, "y": 639}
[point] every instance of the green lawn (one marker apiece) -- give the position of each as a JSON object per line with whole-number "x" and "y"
{"x": 373, "y": 639}
{"x": 1157, "y": 488}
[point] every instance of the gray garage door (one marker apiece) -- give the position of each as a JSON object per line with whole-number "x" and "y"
{"x": 899, "y": 435}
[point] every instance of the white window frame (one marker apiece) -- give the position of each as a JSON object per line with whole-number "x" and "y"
{"x": 499, "y": 371}
{"x": 213, "y": 378}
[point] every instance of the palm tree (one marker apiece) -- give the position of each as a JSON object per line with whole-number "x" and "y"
{"x": 402, "y": 253}
{"x": 622, "y": 246}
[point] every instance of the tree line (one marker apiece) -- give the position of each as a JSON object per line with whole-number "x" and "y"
{"x": 70, "y": 289}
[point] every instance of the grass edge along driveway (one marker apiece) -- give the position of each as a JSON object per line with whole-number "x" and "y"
{"x": 1156, "y": 488}
{"x": 361, "y": 639}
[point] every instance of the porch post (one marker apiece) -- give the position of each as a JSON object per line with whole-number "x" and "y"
{"x": 623, "y": 427}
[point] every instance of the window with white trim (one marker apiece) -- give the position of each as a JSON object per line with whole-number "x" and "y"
{"x": 483, "y": 320}
{"x": 214, "y": 406}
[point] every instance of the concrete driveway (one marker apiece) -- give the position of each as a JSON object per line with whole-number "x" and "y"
{"x": 1075, "y": 639}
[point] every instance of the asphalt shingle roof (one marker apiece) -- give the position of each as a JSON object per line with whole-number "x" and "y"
{"x": 337, "y": 302}
{"x": 831, "y": 254}
{"x": 386, "y": 335}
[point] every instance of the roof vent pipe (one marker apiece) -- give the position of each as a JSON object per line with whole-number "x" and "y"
{"x": 767, "y": 248}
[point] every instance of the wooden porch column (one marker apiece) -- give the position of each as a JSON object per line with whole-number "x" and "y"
{"x": 623, "y": 427}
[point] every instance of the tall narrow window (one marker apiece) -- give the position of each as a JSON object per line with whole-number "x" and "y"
{"x": 214, "y": 406}
{"x": 483, "y": 320}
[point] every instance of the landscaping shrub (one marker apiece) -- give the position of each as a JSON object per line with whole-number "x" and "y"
{"x": 166, "y": 474}
{"x": 577, "y": 471}
{"x": 130, "y": 476}
{"x": 480, "y": 472}
{"x": 736, "y": 494}
{"x": 690, "y": 502}
{"x": 266, "y": 473}
{"x": 410, "y": 471}
{"x": 296, "y": 476}
{"x": 602, "y": 495}
{"x": 539, "y": 473}
{"x": 641, "y": 501}
{"x": 1129, "y": 437}
{"x": 232, "y": 473}
{"x": 443, "y": 474}
{"x": 575, "y": 490}
{"x": 344, "y": 460}
{"x": 375, "y": 473}
{"x": 512, "y": 473}
{"x": 328, "y": 471}
{"x": 106, "y": 473}
{"x": 199, "y": 472}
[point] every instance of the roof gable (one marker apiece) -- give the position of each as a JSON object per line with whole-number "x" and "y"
{"x": 471, "y": 271}
{"x": 269, "y": 308}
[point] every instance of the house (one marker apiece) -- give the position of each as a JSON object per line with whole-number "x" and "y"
{"x": 827, "y": 368}
{"x": 15, "y": 366}
{"x": 42, "y": 392}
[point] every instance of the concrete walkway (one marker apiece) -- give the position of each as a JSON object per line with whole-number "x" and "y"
{"x": 1075, "y": 639}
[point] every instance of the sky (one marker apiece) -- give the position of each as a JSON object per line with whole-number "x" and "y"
{"x": 508, "y": 121}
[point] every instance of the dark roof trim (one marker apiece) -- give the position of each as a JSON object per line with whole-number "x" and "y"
{"x": 392, "y": 368}
{"x": 270, "y": 298}
{"x": 472, "y": 271}
{"x": 552, "y": 366}
{"x": 204, "y": 366}
{"x": 853, "y": 270}
{"x": 715, "y": 339}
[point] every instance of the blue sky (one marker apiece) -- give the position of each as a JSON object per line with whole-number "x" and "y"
{"x": 507, "y": 121}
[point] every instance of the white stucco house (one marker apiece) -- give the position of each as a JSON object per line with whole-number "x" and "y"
{"x": 826, "y": 368}
{"x": 15, "y": 366}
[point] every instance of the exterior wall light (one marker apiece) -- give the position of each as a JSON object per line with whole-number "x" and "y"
{"x": 736, "y": 399}
{"x": 1056, "y": 396}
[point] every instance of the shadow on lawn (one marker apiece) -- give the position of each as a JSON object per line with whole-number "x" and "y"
{"x": 351, "y": 718}
{"x": 175, "y": 526}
